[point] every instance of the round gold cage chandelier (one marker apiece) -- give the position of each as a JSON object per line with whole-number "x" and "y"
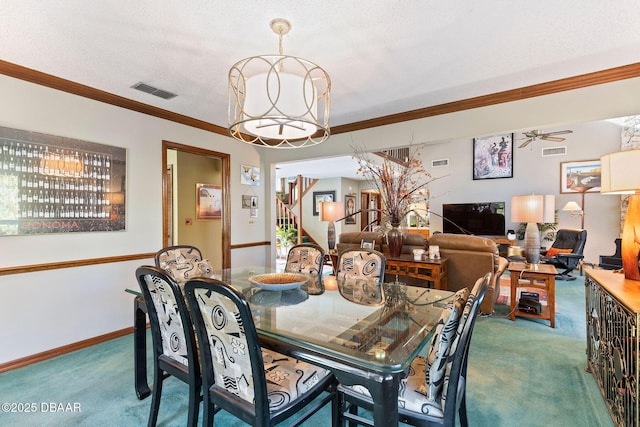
{"x": 279, "y": 101}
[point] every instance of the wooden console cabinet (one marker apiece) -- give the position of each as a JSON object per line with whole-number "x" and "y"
{"x": 613, "y": 315}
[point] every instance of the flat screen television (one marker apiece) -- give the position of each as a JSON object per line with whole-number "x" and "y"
{"x": 482, "y": 219}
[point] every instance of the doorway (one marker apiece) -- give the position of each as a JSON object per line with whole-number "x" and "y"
{"x": 179, "y": 200}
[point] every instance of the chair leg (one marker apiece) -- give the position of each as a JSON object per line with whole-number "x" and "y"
{"x": 194, "y": 405}
{"x": 353, "y": 409}
{"x": 158, "y": 378}
{"x": 208, "y": 411}
{"x": 336, "y": 407}
{"x": 462, "y": 411}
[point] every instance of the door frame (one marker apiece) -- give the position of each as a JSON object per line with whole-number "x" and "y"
{"x": 226, "y": 194}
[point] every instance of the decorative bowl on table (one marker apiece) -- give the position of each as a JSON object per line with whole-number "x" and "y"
{"x": 279, "y": 281}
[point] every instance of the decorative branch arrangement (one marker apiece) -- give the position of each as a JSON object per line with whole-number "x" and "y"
{"x": 400, "y": 185}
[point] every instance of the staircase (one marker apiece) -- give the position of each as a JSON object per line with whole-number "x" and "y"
{"x": 290, "y": 214}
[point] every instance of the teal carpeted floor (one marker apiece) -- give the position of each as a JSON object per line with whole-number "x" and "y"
{"x": 520, "y": 373}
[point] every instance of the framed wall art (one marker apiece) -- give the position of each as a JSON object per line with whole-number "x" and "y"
{"x": 249, "y": 175}
{"x": 249, "y": 202}
{"x": 208, "y": 201}
{"x": 52, "y": 184}
{"x": 580, "y": 177}
{"x": 493, "y": 157}
{"x": 349, "y": 209}
{"x": 322, "y": 196}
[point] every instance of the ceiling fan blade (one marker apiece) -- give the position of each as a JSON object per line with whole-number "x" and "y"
{"x": 552, "y": 138}
{"x": 560, "y": 132}
{"x": 524, "y": 144}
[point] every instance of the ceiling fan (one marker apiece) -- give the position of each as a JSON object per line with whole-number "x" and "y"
{"x": 538, "y": 134}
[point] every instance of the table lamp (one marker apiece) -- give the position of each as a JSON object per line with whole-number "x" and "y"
{"x": 619, "y": 175}
{"x": 532, "y": 209}
{"x": 331, "y": 211}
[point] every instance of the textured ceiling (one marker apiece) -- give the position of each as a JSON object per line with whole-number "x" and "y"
{"x": 383, "y": 57}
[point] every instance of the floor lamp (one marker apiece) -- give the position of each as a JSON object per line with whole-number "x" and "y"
{"x": 532, "y": 209}
{"x": 331, "y": 211}
{"x": 619, "y": 175}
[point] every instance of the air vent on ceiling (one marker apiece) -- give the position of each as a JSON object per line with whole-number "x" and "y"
{"x": 554, "y": 151}
{"x": 439, "y": 163}
{"x": 154, "y": 91}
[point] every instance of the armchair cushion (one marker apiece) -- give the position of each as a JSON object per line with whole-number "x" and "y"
{"x": 551, "y": 252}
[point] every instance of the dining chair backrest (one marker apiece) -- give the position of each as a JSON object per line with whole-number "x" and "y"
{"x": 360, "y": 274}
{"x": 305, "y": 258}
{"x": 178, "y": 254}
{"x": 168, "y": 315}
{"x": 174, "y": 344}
{"x": 361, "y": 263}
{"x": 183, "y": 262}
{"x": 454, "y": 386}
{"x": 234, "y": 364}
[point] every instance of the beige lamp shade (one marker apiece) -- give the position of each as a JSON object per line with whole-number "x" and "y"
{"x": 619, "y": 175}
{"x": 331, "y": 211}
{"x": 572, "y": 206}
{"x": 536, "y": 208}
{"x": 619, "y": 172}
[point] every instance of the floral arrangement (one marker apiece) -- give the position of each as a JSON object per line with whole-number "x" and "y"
{"x": 401, "y": 185}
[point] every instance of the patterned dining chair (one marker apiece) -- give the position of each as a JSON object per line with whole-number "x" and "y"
{"x": 178, "y": 254}
{"x": 434, "y": 391}
{"x": 360, "y": 275}
{"x": 182, "y": 262}
{"x": 174, "y": 345}
{"x": 307, "y": 258}
{"x": 259, "y": 386}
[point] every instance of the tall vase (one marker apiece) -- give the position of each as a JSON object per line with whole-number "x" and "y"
{"x": 394, "y": 240}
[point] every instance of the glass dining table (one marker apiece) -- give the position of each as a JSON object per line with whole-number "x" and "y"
{"x": 366, "y": 333}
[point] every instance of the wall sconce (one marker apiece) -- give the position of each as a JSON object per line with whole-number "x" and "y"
{"x": 574, "y": 209}
{"x": 532, "y": 209}
{"x": 331, "y": 211}
{"x": 619, "y": 175}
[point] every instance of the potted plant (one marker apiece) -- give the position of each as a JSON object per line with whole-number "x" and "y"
{"x": 285, "y": 238}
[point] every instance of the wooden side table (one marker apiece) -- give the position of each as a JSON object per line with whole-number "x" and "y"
{"x": 431, "y": 270}
{"x": 544, "y": 277}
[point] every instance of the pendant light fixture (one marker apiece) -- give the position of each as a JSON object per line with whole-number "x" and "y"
{"x": 279, "y": 101}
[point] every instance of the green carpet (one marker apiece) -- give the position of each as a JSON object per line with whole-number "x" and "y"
{"x": 520, "y": 373}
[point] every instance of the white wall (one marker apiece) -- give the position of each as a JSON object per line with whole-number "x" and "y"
{"x": 450, "y": 136}
{"x": 44, "y": 310}
{"x": 533, "y": 174}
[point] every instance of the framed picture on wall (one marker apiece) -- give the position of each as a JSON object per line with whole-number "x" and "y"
{"x": 322, "y": 196}
{"x": 208, "y": 201}
{"x": 249, "y": 202}
{"x": 349, "y": 209}
{"x": 580, "y": 177}
{"x": 493, "y": 157}
{"x": 249, "y": 175}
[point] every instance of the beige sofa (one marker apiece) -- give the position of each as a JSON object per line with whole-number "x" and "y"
{"x": 468, "y": 259}
{"x": 410, "y": 241}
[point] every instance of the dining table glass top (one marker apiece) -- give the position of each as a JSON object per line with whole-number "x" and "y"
{"x": 377, "y": 327}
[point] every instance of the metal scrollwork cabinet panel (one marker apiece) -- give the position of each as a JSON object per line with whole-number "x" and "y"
{"x": 613, "y": 310}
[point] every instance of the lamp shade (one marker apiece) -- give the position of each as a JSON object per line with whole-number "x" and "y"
{"x": 572, "y": 206}
{"x": 279, "y": 101}
{"x": 619, "y": 173}
{"x": 331, "y": 211}
{"x": 533, "y": 208}
{"x": 292, "y": 116}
